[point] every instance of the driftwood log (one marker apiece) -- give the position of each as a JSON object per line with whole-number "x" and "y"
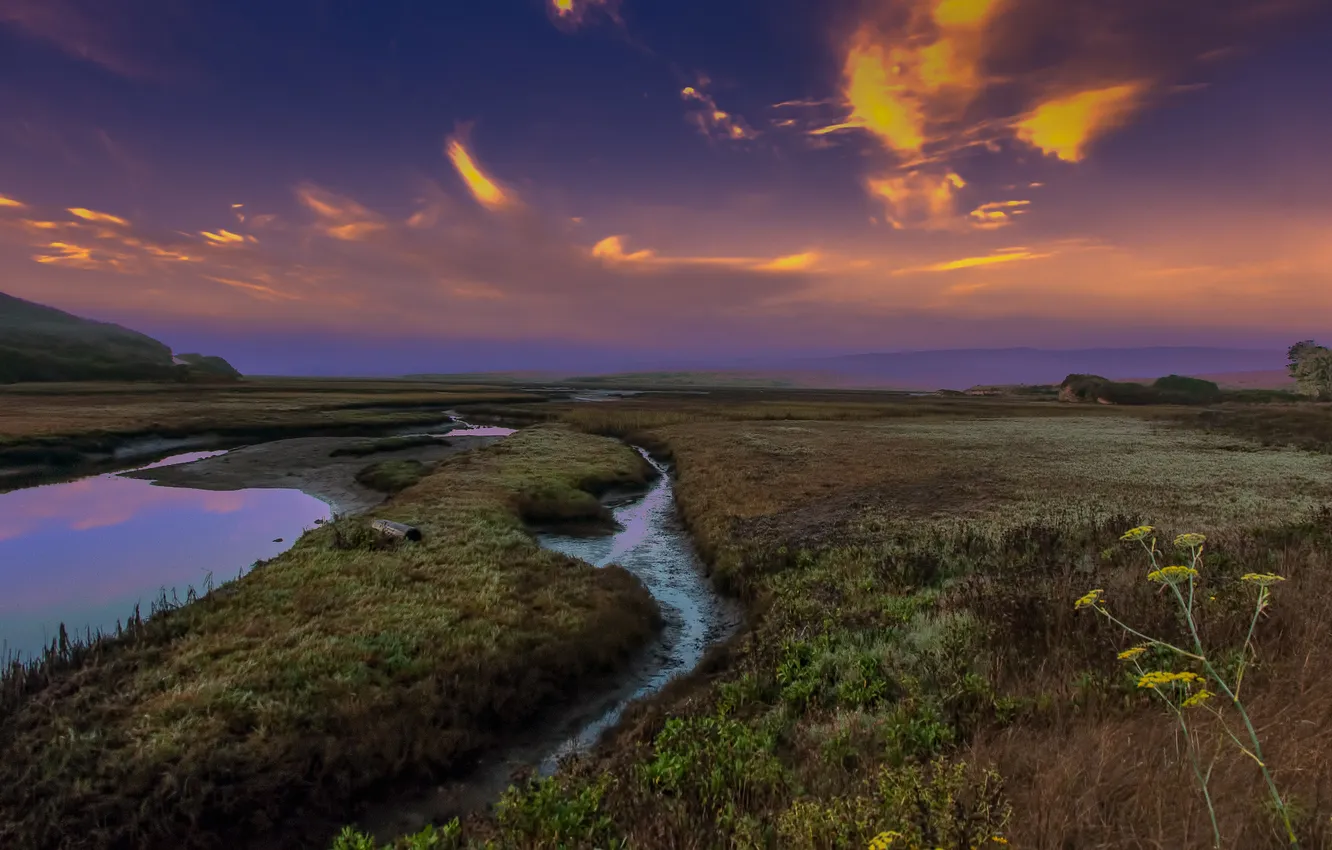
{"x": 396, "y": 529}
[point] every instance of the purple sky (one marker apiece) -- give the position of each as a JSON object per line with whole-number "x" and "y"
{"x": 439, "y": 186}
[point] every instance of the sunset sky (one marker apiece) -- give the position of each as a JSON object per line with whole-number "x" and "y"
{"x": 537, "y": 181}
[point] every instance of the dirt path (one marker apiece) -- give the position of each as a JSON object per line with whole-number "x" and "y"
{"x": 304, "y": 464}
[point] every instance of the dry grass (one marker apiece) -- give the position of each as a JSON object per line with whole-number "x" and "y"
{"x": 1307, "y": 426}
{"x": 29, "y": 411}
{"x": 911, "y": 587}
{"x": 339, "y": 666}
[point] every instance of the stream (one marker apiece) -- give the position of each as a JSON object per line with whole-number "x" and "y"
{"x": 652, "y": 544}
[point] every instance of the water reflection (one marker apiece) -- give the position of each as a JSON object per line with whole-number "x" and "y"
{"x": 85, "y": 552}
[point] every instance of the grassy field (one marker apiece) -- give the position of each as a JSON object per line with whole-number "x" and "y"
{"x": 331, "y": 670}
{"x": 914, "y": 661}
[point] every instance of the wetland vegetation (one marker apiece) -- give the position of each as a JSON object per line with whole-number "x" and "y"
{"x": 912, "y": 661}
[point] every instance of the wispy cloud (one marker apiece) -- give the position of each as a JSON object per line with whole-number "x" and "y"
{"x": 1011, "y": 255}
{"x": 611, "y": 251}
{"x": 10, "y": 202}
{"x": 223, "y": 237}
{"x": 486, "y": 191}
{"x": 90, "y": 31}
{"x": 339, "y": 217}
{"x": 996, "y": 214}
{"x": 712, "y": 121}
{"x": 100, "y": 217}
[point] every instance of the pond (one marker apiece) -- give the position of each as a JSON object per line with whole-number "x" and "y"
{"x": 85, "y": 552}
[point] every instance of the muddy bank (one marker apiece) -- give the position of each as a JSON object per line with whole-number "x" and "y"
{"x": 307, "y": 464}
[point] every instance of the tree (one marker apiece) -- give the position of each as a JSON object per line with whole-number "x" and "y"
{"x": 1313, "y": 373}
{"x": 1297, "y": 352}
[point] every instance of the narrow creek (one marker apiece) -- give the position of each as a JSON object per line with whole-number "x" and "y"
{"x": 652, "y": 543}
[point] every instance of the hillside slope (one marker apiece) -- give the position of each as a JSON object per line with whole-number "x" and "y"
{"x": 40, "y": 343}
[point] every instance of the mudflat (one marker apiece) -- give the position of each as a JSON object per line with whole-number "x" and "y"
{"x": 308, "y": 464}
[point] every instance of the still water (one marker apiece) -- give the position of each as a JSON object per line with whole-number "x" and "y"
{"x": 86, "y": 552}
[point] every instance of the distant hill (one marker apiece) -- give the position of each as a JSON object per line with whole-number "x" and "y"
{"x": 208, "y": 366}
{"x": 40, "y": 343}
{"x": 962, "y": 368}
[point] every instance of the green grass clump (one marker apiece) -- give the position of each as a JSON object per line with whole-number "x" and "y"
{"x": 391, "y": 476}
{"x": 328, "y": 671}
{"x": 388, "y": 444}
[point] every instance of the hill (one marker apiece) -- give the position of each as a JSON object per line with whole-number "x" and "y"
{"x": 40, "y": 343}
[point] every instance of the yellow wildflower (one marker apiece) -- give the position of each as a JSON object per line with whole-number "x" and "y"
{"x": 1157, "y": 678}
{"x": 998, "y": 839}
{"x": 1189, "y": 541}
{"x": 1198, "y": 698}
{"x": 1137, "y": 533}
{"x": 1089, "y": 599}
{"x": 884, "y": 840}
{"x": 1264, "y": 579}
{"x": 1132, "y": 652}
{"x": 1171, "y": 575}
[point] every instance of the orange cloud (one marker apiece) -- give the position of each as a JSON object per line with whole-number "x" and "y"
{"x": 1009, "y": 255}
{"x": 611, "y": 252}
{"x": 928, "y": 81}
{"x": 222, "y": 237}
{"x": 167, "y": 253}
{"x": 919, "y": 199}
{"x": 356, "y": 231}
{"x": 714, "y": 122}
{"x": 486, "y": 191}
{"x": 1065, "y": 126}
{"x": 101, "y": 217}
{"x": 340, "y": 218}
{"x": 790, "y": 263}
{"x": 996, "y": 214}
{"x": 611, "y": 249}
{"x": 266, "y": 293}
{"x": 10, "y": 202}
{"x": 82, "y": 257}
{"x": 906, "y": 83}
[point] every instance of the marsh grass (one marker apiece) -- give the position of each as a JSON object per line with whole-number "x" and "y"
{"x": 1307, "y": 426}
{"x": 914, "y": 664}
{"x": 365, "y": 448}
{"x": 392, "y": 476}
{"x": 328, "y": 673}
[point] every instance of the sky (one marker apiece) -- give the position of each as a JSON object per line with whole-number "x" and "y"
{"x": 448, "y": 184}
